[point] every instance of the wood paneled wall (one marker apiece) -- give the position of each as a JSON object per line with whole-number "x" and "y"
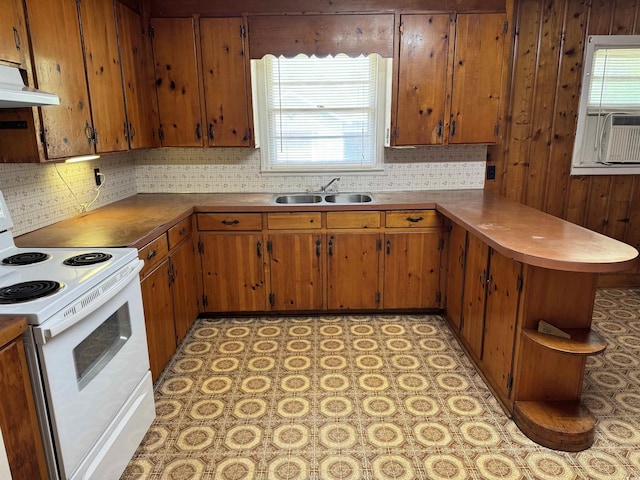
{"x": 534, "y": 160}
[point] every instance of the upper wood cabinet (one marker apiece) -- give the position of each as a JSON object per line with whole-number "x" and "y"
{"x": 177, "y": 82}
{"x": 225, "y": 82}
{"x": 103, "y": 75}
{"x": 13, "y": 33}
{"x": 67, "y": 129}
{"x": 137, "y": 73}
{"x": 450, "y": 79}
{"x": 477, "y": 91}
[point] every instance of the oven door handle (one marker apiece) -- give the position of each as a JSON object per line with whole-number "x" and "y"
{"x": 87, "y": 303}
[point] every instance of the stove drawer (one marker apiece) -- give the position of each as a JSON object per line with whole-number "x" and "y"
{"x": 153, "y": 253}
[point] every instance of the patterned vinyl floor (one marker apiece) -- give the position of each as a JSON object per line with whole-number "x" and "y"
{"x": 372, "y": 397}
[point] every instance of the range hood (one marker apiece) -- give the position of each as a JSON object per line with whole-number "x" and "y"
{"x": 14, "y": 93}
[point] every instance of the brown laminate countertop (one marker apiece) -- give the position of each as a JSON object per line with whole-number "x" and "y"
{"x": 515, "y": 230}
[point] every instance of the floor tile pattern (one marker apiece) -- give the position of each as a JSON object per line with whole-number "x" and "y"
{"x": 372, "y": 397}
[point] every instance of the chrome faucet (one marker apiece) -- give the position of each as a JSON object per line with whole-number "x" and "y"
{"x": 324, "y": 189}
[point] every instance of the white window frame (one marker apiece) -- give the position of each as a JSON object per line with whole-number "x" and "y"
{"x": 585, "y": 159}
{"x": 382, "y": 127}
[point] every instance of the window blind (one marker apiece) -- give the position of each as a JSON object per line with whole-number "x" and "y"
{"x": 615, "y": 80}
{"x": 321, "y": 111}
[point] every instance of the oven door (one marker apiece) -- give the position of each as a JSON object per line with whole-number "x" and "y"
{"x": 91, "y": 361}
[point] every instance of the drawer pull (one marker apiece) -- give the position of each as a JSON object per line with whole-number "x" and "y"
{"x": 415, "y": 219}
{"x": 151, "y": 254}
{"x": 231, "y": 222}
{"x": 181, "y": 231}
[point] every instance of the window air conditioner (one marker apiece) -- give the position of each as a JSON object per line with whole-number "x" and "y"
{"x": 621, "y": 139}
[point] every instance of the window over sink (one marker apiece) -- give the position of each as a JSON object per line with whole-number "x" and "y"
{"x": 316, "y": 114}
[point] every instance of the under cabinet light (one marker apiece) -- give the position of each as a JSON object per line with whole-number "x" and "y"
{"x": 82, "y": 158}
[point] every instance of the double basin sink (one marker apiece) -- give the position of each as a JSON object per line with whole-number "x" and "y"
{"x": 315, "y": 198}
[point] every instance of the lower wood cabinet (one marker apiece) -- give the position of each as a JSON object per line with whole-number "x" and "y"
{"x": 169, "y": 284}
{"x": 18, "y": 420}
{"x": 455, "y": 274}
{"x": 296, "y": 266}
{"x": 353, "y": 266}
{"x": 474, "y": 295}
{"x": 233, "y": 272}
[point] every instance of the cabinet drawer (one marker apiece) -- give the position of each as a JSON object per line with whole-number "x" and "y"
{"x": 295, "y": 221}
{"x": 353, "y": 219}
{"x": 229, "y": 221}
{"x": 413, "y": 218}
{"x": 179, "y": 232}
{"x": 153, "y": 253}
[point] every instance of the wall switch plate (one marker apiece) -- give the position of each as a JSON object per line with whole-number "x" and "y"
{"x": 491, "y": 172}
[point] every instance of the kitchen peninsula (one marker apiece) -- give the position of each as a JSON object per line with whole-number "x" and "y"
{"x": 500, "y": 268}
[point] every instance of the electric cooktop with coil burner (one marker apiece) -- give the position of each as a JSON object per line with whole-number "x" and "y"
{"x": 38, "y": 284}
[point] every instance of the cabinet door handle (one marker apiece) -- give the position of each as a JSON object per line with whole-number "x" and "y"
{"x": 453, "y": 128}
{"x": 415, "y": 219}
{"x": 231, "y": 222}
{"x": 199, "y": 131}
{"x": 331, "y": 248}
{"x": 388, "y": 247}
{"x": 151, "y": 254}
{"x": 318, "y": 244}
{"x": 126, "y": 131}
{"x": 259, "y": 249}
{"x": 440, "y": 125}
{"x": 16, "y": 38}
{"x": 132, "y": 130}
{"x": 212, "y": 134}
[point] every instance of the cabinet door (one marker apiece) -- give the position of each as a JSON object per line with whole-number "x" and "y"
{"x": 184, "y": 288}
{"x": 412, "y": 270}
{"x": 422, "y": 80}
{"x": 225, "y": 86}
{"x": 59, "y": 68}
{"x": 455, "y": 275}
{"x": 177, "y": 83}
{"x": 233, "y": 272}
{"x": 296, "y": 271}
{"x": 13, "y": 38}
{"x": 500, "y": 321}
{"x": 137, "y": 72}
{"x": 158, "y": 316}
{"x": 18, "y": 419}
{"x": 477, "y": 78}
{"x": 103, "y": 75}
{"x": 474, "y": 295}
{"x": 353, "y": 271}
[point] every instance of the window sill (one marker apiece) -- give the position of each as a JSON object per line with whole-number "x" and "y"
{"x": 598, "y": 169}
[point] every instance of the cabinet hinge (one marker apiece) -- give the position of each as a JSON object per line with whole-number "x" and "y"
{"x": 200, "y": 247}
{"x": 509, "y": 384}
{"x": 269, "y": 247}
{"x": 161, "y": 133}
{"x": 152, "y": 32}
{"x": 205, "y": 301}
{"x": 43, "y": 136}
{"x": 243, "y": 31}
{"x": 401, "y": 28}
{"x": 496, "y": 129}
{"x": 441, "y": 243}
{"x": 519, "y": 283}
{"x": 378, "y": 297}
{"x": 505, "y": 27}
{"x": 438, "y": 297}
{"x": 272, "y": 299}
{"x": 378, "y": 244}
{"x": 461, "y": 323}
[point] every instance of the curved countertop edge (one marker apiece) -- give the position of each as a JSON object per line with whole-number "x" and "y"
{"x": 517, "y": 231}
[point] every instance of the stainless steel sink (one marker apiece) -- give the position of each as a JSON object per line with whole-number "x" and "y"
{"x": 348, "y": 198}
{"x": 316, "y": 198}
{"x": 297, "y": 198}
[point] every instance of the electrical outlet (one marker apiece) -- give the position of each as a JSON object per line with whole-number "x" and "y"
{"x": 96, "y": 174}
{"x": 491, "y": 172}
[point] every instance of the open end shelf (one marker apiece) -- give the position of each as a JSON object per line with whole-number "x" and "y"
{"x": 583, "y": 341}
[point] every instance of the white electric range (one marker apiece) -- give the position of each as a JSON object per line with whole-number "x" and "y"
{"x": 86, "y": 350}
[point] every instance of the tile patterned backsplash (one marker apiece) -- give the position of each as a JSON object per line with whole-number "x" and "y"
{"x": 238, "y": 170}
{"x": 37, "y": 197}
